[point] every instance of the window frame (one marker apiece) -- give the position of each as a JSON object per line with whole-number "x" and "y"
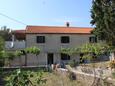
{"x": 65, "y": 57}
{"x": 92, "y": 39}
{"x": 65, "y": 39}
{"x": 40, "y": 39}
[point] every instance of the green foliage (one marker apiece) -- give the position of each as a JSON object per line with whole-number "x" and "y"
{"x": 96, "y": 48}
{"x": 2, "y": 62}
{"x": 23, "y": 78}
{"x": 10, "y": 55}
{"x": 87, "y": 56}
{"x": 70, "y": 51}
{"x": 93, "y": 50}
{"x": 103, "y": 18}
{"x": 18, "y": 53}
{"x": 6, "y": 57}
{"x": 5, "y": 33}
{"x": 33, "y": 50}
{"x": 90, "y": 50}
{"x": 1, "y": 51}
{"x": 1, "y": 43}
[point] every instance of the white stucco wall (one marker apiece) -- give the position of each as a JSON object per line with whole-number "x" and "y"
{"x": 14, "y": 45}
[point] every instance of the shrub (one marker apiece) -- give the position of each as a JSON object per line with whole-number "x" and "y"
{"x": 24, "y": 78}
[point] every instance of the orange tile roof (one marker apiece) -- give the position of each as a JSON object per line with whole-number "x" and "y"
{"x": 20, "y": 34}
{"x": 19, "y": 31}
{"x": 58, "y": 30}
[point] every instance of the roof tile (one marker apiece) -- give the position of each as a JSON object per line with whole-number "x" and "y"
{"x": 58, "y": 30}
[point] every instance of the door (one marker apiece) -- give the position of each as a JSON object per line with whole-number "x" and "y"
{"x": 50, "y": 58}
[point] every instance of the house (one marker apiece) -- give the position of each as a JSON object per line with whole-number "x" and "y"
{"x": 50, "y": 40}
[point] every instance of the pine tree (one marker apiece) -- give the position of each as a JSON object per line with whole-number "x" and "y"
{"x": 103, "y": 18}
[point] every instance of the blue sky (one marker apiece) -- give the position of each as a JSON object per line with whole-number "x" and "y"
{"x": 45, "y": 12}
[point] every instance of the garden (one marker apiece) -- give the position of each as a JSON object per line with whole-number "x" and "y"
{"x": 46, "y": 77}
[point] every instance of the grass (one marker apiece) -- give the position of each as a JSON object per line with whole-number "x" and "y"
{"x": 56, "y": 79}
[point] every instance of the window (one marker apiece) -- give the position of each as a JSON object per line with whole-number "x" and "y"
{"x": 93, "y": 39}
{"x": 65, "y": 57}
{"x": 40, "y": 39}
{"x": 65, "y": 39}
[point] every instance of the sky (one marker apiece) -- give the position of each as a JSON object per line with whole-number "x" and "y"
{"x": 17, "y": 14}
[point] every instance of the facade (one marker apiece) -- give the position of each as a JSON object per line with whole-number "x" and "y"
{"x": 50, "y": 40}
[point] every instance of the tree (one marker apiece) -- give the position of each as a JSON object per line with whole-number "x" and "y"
{"x": 5, "y": 33}
{"x": 33, "y": 50}
{"x": 1, "y": 43}
{"x": 8, "y": 57}
{"x": 103, "y": 18}
{"x": 70, "y": 51}
{"x": 1, "y": 49}
{"x": 90, "y": 50}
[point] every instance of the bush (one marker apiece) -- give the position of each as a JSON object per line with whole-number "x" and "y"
{"x": 73, "y": 63}
{"x": 24, "y": 78}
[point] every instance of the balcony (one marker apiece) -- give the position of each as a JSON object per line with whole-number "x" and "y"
{"x": 16, "y": 45}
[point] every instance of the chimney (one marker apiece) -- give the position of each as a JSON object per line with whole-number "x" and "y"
{"x": 67, "y": 24}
